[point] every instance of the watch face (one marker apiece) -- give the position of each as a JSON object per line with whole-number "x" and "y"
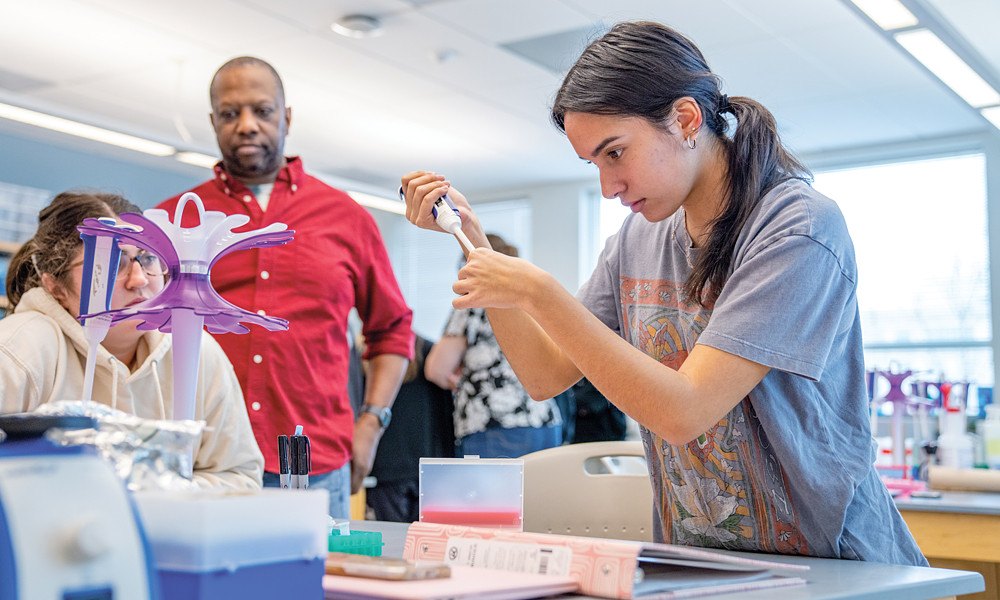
{"x": 383, "y": 413}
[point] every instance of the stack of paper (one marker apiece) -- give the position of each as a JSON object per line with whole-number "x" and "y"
{"x": 465, "y": 583}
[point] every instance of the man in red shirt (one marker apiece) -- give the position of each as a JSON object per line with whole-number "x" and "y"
{"x": 336, "y": 261}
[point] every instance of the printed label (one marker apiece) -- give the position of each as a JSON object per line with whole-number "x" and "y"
{"x": 509, "y": 556}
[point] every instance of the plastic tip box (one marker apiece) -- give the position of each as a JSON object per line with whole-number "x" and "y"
{"x": 472, "y": 491}
{"x": 218, "y": 544}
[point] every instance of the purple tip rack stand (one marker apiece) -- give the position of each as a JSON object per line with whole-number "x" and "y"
{"x": 189, "y": 303}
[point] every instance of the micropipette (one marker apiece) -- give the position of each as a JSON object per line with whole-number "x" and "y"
{"x": 99, "y": 254}
{"x": 448, "y": 218}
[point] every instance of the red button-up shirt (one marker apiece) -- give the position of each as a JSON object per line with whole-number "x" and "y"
{"x": 336, "y": 261}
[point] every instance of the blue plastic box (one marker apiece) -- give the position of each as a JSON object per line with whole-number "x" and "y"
{"x": 293, "y": 579}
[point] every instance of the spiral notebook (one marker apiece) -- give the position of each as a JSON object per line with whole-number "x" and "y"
{"x": 601, "y": 567}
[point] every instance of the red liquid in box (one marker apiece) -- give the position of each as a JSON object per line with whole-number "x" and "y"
{"x": 480, "y": 516}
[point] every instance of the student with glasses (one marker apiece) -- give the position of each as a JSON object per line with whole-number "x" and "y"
{"x": 43, "y": 350}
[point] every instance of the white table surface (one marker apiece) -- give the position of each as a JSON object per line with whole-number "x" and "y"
{"x": 983, "y": 503}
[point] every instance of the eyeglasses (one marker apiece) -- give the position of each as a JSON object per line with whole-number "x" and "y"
{"x": 151, "y": 264}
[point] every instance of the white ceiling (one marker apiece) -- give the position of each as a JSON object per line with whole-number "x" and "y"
{"x": 369, "y": 110}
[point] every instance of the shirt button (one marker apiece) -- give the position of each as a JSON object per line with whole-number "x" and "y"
{"x": 295, "y": 188}
{"x": 222, "y": 176}
{"x": 227, "y": 191}
{"x": 247, "y": 198}
{"x": 264, "y": 274}
{"x": 262, "y": 313}
{"x": 257, "y": 358}
{"x": 255, "y": 406}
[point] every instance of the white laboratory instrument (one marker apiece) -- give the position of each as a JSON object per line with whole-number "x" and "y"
{"x": 68, "y": 529}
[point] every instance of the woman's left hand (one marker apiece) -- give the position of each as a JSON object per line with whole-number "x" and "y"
{"x": 490, "y": 279}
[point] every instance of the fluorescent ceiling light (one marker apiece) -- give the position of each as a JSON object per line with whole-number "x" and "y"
{"x": 948, "y": 67}
{"x": 15, "y": 113}
{"x": 377, "y": 202}
{"x": 887, "y": 14}
{"x": 992, "y": 115}
{"x": 197, "y": 159}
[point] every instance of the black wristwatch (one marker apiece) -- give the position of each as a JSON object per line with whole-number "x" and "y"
{"x": 383, "y": 413}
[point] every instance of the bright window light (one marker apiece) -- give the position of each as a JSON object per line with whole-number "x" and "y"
{"x": 887, "y": 14}
{"x": 948, "y": 67}
{"x": 197, "y": 159}
{"x": 923, "y": 282}
{"x": 992, "y": 114}
{"x": 30, "y": 117}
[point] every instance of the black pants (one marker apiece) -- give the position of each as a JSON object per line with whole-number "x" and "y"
{"x": 395, "y": 500}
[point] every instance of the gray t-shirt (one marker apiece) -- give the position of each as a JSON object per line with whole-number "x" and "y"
{"x": 790, "y": 468}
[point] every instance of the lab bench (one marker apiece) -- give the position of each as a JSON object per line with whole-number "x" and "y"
{"x": 827, "y": 579}
{"x": 959, "y": 530}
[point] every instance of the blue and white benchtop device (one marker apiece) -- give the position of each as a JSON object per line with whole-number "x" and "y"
{"x": 68, "y": 528}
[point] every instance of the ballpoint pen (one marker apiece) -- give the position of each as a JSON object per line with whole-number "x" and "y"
{"x": 283, "y": 472}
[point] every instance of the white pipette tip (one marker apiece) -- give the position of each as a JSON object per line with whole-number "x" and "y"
{"x": 457, "y": 232}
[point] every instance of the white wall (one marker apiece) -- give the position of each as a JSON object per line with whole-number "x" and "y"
{"x": 554, "y": 240}
{"x": 557, "y": 212}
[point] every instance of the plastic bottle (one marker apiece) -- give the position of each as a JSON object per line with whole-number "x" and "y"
{"x": 991, "y": 435}
{"x": 954, "y": 444}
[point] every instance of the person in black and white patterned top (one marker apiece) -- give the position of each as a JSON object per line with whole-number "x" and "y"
{"x": 494, "y": 416}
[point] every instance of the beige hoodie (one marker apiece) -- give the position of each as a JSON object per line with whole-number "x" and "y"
{"x": 43, "y": 356}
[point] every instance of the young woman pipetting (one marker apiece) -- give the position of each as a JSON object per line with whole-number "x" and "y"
{"x": 722, "y": 317}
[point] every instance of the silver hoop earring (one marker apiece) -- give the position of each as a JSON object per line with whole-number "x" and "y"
{"x": 692, "y": 142}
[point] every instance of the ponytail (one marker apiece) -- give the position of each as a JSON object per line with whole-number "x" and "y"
{"x": 756, "y": 163}
{"x": 21, "y": 273}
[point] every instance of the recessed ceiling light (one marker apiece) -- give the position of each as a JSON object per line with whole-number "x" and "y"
{"x": 887, "y": 14}
{"x": 197, "y": 159}
{"x": 131, "y": 142}
{"x": 377, "y": 202}
{"x": 358, "y": 26}
{"x": 948, "y": 67}
{"x": 992, "y": 114}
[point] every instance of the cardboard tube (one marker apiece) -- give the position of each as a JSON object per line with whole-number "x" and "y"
{"x": 965, "y": 480}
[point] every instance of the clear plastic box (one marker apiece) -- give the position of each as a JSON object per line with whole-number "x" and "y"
{"x": 472, "y": 491}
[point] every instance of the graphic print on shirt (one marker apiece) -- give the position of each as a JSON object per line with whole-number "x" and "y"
{"x": 725, "y": 489}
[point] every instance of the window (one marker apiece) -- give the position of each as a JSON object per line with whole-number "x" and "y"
{"x": 920, "y": 234}
{"x": 603, "y": 216}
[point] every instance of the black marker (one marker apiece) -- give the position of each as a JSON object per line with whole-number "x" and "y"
{"x": 283, "y": 471}
{"x": 304, "y": 458}
{"x": 294, "y": 461}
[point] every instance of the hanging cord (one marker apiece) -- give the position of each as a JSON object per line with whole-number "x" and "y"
{"x": 114, "y": 381}
{"x": 159, "y": 388}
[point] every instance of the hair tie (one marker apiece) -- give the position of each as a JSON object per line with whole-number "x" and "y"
{"x": 724, "y": 105}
